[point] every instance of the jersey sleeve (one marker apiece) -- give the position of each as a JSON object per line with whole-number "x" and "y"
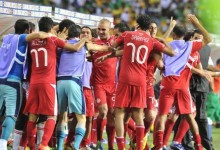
{"x": 196, "y": 46}
{"x": 59, "y": 43}
{"x": 157, "y": 46}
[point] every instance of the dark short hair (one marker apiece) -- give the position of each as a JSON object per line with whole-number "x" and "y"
{"x": 66, "y": 23}
{"x": 45, "y": 24}
{"x": 74, "y": 31}
{"x": 188, "y": 35}
{"x": 179, "y": 30}
{"x": 94, "y": 33}
{"x": 122, "y": 27}
{"x": 32, "y": 26}
{"x": 144, "y": 21}
{"x": 21, "y": 25}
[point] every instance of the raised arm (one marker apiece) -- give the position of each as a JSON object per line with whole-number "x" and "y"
{"x": 170, "y": 28}
{"x": 206, "y": 37}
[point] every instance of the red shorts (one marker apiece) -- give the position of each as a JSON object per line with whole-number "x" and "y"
{"x": 42, "y": 99}
{"x": 89, "y": 101}
{"x": 150, "y": 100}
{"x": 180, "y": 98}
{"x": 130, "y": 96}
{"x": 104, "y": 94}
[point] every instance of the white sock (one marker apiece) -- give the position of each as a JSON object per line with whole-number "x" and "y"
{"x": 17, "y": 138}
{"x": 40, "y": 132}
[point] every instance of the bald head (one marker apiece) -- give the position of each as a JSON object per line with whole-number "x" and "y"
{"x": 104, "y": 29}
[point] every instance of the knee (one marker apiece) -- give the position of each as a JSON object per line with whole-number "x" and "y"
{"x": 103, "y": 112}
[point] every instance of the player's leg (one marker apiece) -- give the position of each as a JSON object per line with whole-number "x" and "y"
{"x": 137, "y": 115}
{"x": 12, "y": 98}
{"x": 170, "y": 122}
{"x": 101, "y": 104}
{"x": 110, "y": 126}
{"x": 165, "y": 102}
{"x": 62, "y": 100}
{"x": 89, "y": 114}
{"x": 119, "y": 126}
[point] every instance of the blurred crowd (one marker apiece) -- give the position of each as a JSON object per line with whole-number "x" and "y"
{"x": 128, "y": 10}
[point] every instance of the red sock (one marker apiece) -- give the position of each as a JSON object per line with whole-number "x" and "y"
{"x": 24, "y": 140}
{"x": 147, "y": 126}
{"x": 93, "y": 132}
{"x": 139, "y": 137}
{"x": 48, "y": 131}
{"x": 100, "y": 127}
{"x": 168, "y": 130}
{"x": 120, "y": 143}
{"x": 158, "y": 139}
{"x": 70, "y": 137}
{"x": 85, "y": 142}
{"x": 182, "y": 129}
{"x": 53, "y": 139}
{"x": 31, "y": 131}
{"x": 110, "y": 130}
{"x": 197, "y": 139}
{"x": 131, "y": 125}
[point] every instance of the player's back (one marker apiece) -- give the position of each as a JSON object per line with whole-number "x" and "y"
{"x": 43, "y": 55}
{"x": 137, "y": 46}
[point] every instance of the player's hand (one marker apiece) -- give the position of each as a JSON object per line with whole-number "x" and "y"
{"x": 172, "y": 22}
{"x": 192, "y": 18}
{"x": 102, "y": 58}
{"x": 207, "y": 76}
{"x": 64, "y": 34}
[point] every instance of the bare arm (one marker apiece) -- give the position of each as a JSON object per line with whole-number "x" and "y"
{"x": 206, "y": 37}
{"x": 36, "y": 35}
{"x": 117, "y": 53}
{"x": 167, "y": 49}
{"x": 95, "y": 47}
{"x": 75, "y": 47}
{"x": 170, "y": 28}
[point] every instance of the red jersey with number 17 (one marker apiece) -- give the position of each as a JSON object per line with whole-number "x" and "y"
{"x": 137, "y": 46}
{"x": 43, "y": 55}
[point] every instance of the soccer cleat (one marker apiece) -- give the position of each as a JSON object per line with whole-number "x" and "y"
{"x": 176, "y": 146}
{"x": 86, "y": 148}
{"x": 165, "y": 148}
{"x": 41, "y": 147}
{"x": 92, "y": 146}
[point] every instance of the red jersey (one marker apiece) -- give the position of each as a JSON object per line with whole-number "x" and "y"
{"x": 151, "y": 68}
{"x": 182, "y": 81}
{"x": 43, "y": 55}
{"x": 105, "y": 72}
{"x": 137, "y": 46}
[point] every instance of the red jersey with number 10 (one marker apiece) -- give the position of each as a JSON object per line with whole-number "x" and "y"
{"x": 43, "y": 56}
{"x": 137, "y": 46}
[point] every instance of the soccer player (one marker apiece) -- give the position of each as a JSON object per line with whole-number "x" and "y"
{"x": 87, "y": 91}
{"x": 13, "y": 56}
{"x": 42, "y": 94}
{"x": 103, "y": 81}
{"x": 131, "y": 89}
{"x": 174, "y": 85}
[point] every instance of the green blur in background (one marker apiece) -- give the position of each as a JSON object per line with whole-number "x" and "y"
{"x": 208, "y": 12}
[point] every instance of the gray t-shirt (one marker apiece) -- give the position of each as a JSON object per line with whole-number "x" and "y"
{"x": 198, "y": 83}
